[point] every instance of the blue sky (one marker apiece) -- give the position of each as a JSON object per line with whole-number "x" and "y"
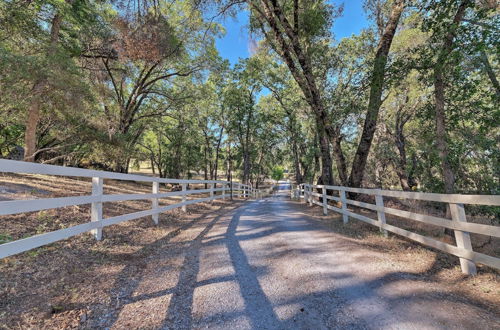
{"x": 235, "y": 43}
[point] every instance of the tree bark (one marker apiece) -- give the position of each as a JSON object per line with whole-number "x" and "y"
{"x": 206, "y": 168}
{"x": 376, "y": 89}
{"x": 402, "y": 163}
{"x": 439, "y": 98}
{"x": 296, "y": 161}
{"x": 402, "y": 117}
{"x": 286, "y": 42}
{"x": 339, "y": 156}
{"x": 217, "y": 151}
{"x": 33, "y": 118}
{"x": 491, "y": 74}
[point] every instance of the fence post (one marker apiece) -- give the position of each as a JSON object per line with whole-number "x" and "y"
{"x": 223, "y": 191}
{"x": 325, "y": 201}
{"x": 379, "y": 201}
{"x": 212, "y": 191}
{"x": 154, "y": 202}
{"x": 343, "y": 200}
{"x": 184, "y": 197}
{"x": 310, "y": 189}
{"x": 463, "y": 238}
{"x": 96, "y": 208}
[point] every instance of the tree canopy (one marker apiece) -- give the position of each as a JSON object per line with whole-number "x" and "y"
{"x": 411, "y": 102}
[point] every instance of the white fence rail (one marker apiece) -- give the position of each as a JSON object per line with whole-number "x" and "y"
{"x": 97, "y": 222}
{"x": 462, "y": 228}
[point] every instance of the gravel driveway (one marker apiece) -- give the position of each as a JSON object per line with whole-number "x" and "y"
{"x": 266, "y": 265}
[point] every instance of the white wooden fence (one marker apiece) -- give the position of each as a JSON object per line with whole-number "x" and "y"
{"x": 97, "y": 222}
{"x": 462, "y": 228}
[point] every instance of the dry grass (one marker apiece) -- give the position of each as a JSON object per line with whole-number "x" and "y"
{"x": 51, "y": 286}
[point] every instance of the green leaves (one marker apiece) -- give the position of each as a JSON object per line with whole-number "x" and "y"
{"x": 277, "y": 173}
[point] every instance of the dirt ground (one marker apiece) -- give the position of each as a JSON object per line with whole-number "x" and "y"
{"x": 49, "y": 286}
{"x": 63, "y": 285}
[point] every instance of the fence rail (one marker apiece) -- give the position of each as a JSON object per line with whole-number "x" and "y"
{"x": 97, "y": 197}
{"x": 462, "y": 228}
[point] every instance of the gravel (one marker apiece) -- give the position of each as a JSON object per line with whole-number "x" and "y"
{"x": 267, "y": 265}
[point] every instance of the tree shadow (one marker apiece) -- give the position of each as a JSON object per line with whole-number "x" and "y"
{"x": 346, "y": 303}
{"x": 130, "y": 277}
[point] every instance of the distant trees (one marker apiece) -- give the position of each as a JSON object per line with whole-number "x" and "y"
{"x": 277, "y": 173}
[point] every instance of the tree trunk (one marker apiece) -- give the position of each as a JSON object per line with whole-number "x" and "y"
{"x": 30, "y": 139}
{"x": 230, "y": 171}
{"x": 491, "y": 74}
{"x": 296, "y": 161}
{"x": 402, "y": 175}
{"x": 326, "y": 160}
{"x": 442, "y": 145}
{"x": 339, "y": 156}
{"x": 206, "y": 168}
{"x": 376, "y": 89}
{"x": 287, "y": 44}
{"x": 217, "y": 151}
{"x": 324, "y": 147}
{"x": 439, "y": 98}
{"x": 34, "y": 108}
{"x": 295, "y": 149}
{"x": 151, "y": 159}
{"x": 400, "y": 141}
{"x": 246, "y": 166}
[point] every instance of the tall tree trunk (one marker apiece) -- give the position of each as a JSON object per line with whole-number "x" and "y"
{"x": 439, "y": 98}
{"x": 317, "y": 155}
{"x": 491, "y": 74}
{"x": 296, "y": 161}
{"x": 33, "y": 119}
{"x": 401, "y": 168}
{"x": 230, "y": 171}
{"x": 294, "y": 139}
{"x": 440, "y": 112}
{"x": 400, "y": 140}
{"x": 442, "y": 144}
{"x": 336, "y": 138}
{"x": 376, "y": 89}
{"x": 151, "y": 159}
{"x": 326, "y": 158}
{"x": 285, "y": 40}
{"x": 206, "y": 169}
{"x": 246, "y": 166}
{"x": 217, "y": 151}
{"x": 37, "y": 91}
